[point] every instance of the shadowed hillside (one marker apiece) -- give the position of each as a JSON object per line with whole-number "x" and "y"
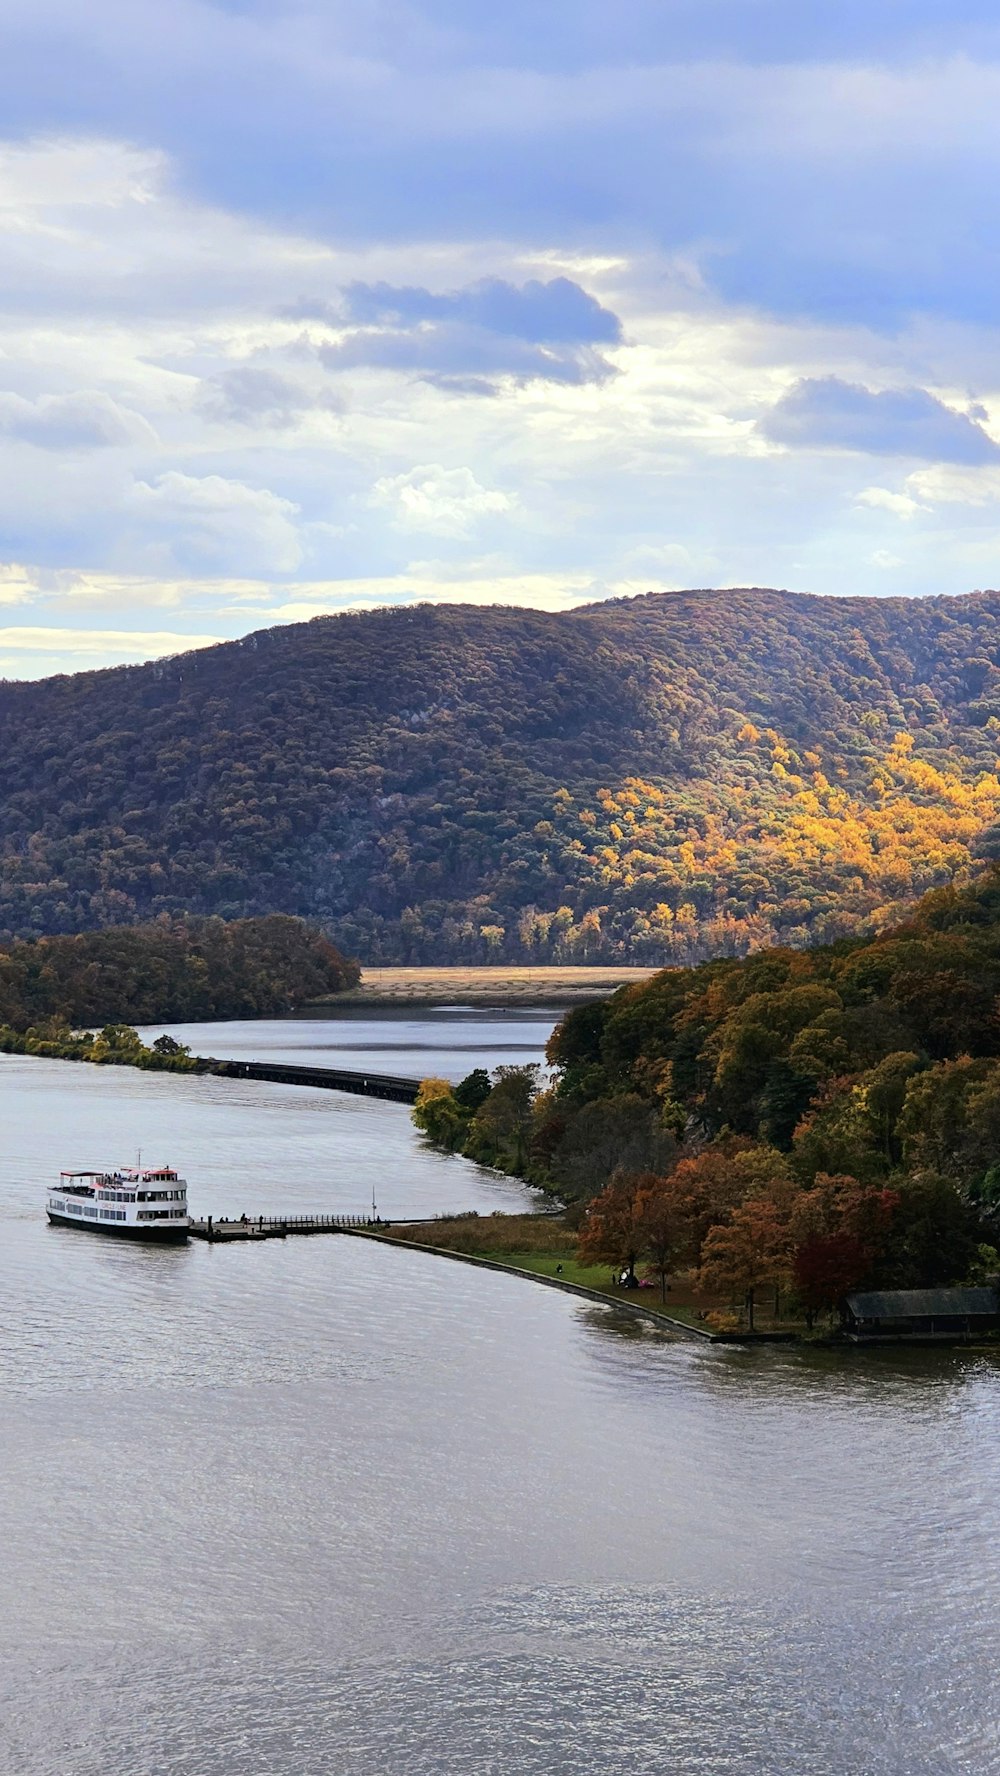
{"x": 650, "y": 780}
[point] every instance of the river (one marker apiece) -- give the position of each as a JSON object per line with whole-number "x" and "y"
{"x": 317, "y": 1508}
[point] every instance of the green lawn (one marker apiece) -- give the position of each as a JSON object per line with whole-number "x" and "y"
{"x": 540, "y": 1244}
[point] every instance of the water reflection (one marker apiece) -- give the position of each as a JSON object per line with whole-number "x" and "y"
{"x": 446, "y": 1041}
{"x": 318, "y": 1506}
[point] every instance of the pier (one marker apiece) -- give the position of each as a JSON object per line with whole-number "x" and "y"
{"x": 391, "y": 1086}
{"x": 253, "y": 1227}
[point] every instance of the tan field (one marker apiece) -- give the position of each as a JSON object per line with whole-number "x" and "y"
{"x": 489, "y": 986}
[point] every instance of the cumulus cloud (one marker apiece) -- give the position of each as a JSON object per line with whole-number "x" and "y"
{"x": 476, "y": 336}
{"x": 882, "y": 499}
{"x": 210, "y": 523}
{"x": 948, "y": 485}
{"x": 824, "y": 413}
{"x": 447, "y": 502}
{"x": 85, "y": 420}
{"x": 253, "y": 395}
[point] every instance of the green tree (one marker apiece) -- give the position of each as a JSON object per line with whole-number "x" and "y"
{"x": 473, "y": 1090}
{"x": 499, "y": 1134}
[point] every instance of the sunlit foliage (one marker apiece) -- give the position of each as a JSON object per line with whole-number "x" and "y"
{"x": 655, "y": 780}
{"x": 805, "y": 1121}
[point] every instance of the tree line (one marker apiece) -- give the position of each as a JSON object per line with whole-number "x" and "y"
{"x": 655, "y": 780}
{"x": 182, "y": 970}
{"x": 807, "y": 1121}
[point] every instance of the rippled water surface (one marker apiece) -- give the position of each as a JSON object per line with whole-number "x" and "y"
{"x": 321, "y": 1507}
{"x": 445, "y": 1041}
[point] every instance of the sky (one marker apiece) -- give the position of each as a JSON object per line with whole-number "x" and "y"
{"x": 312, "y": 305}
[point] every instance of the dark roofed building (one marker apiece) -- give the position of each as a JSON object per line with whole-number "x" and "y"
{"x": 925, "y": 1313}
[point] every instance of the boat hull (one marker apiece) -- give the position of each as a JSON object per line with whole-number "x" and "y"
{"x": 151, "y": 1235}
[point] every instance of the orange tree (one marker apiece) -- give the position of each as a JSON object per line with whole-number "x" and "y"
{"x": 613, "y": 1231}
{"x": 744, "y": 1253}
{"x": 666, "y": 1225}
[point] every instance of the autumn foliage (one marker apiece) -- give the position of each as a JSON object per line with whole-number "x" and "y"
{"x": 801, "y": 1121}
{"x": 656, "y": 779}
{"x": 181, "y": 969}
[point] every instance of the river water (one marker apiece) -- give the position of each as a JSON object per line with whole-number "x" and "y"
{"x": 318, "y": 1508}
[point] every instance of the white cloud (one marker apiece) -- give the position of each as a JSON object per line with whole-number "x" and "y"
{"x": 950, "y": 484}
{"x": 66, "y": 173}
{"x": 209, "y": 522}
{"x": 83, "y": 420}
{"x": 129, "y": 304}
{"x": 447, "y": 502}
{"x": 17, "y": 584}
{"x": 135, "y": 643}
{"x": 36, "y": 651}
{"x": 882, "y": 499}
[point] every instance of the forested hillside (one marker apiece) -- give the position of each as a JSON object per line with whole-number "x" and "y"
{"x": 653, "y": 779}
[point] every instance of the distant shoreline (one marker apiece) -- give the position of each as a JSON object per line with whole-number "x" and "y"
{"x": 506, "y": 987}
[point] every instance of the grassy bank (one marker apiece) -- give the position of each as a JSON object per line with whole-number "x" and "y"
{"x": 543, "y": 1245}
{"x": 509, "y": 987}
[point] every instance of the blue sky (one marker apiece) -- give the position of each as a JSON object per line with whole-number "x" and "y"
{"x": 317, "y": 306}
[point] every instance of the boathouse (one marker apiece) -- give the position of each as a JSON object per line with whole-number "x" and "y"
{"x": 921, "y": 1313}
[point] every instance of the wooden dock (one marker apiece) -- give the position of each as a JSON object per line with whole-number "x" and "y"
{"x": 254, "y": 1227}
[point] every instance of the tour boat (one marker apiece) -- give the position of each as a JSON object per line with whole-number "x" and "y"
{"x": 137, "y": 1202}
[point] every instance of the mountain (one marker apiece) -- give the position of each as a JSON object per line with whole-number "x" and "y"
{"x": 657, "y": 778}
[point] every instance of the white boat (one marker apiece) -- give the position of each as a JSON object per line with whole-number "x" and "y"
{"x": 134, "y": 1202}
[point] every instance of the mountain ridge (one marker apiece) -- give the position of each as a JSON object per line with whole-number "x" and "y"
{"x": 652, "y": 779}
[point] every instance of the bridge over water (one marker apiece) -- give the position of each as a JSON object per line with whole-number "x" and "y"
{"x": 392, "y": 1086}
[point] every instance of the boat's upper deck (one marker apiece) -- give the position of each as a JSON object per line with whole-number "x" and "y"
{"x": 128, "y": 1184}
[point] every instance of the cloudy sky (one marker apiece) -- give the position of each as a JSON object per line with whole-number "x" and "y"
{"x": 314, "y": 304}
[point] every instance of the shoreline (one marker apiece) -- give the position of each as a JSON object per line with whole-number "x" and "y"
{"x": 506, "y": 989}
{"x": 605, "y": 1297}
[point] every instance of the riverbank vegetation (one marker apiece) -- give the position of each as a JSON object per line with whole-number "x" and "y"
{"x": 548, "y": 1245}
{"x": 180, "y": 970}
{"x": 646, "y": 780}
{"x": 116, "y": 1045}
{"x": 802, "y": 1122}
